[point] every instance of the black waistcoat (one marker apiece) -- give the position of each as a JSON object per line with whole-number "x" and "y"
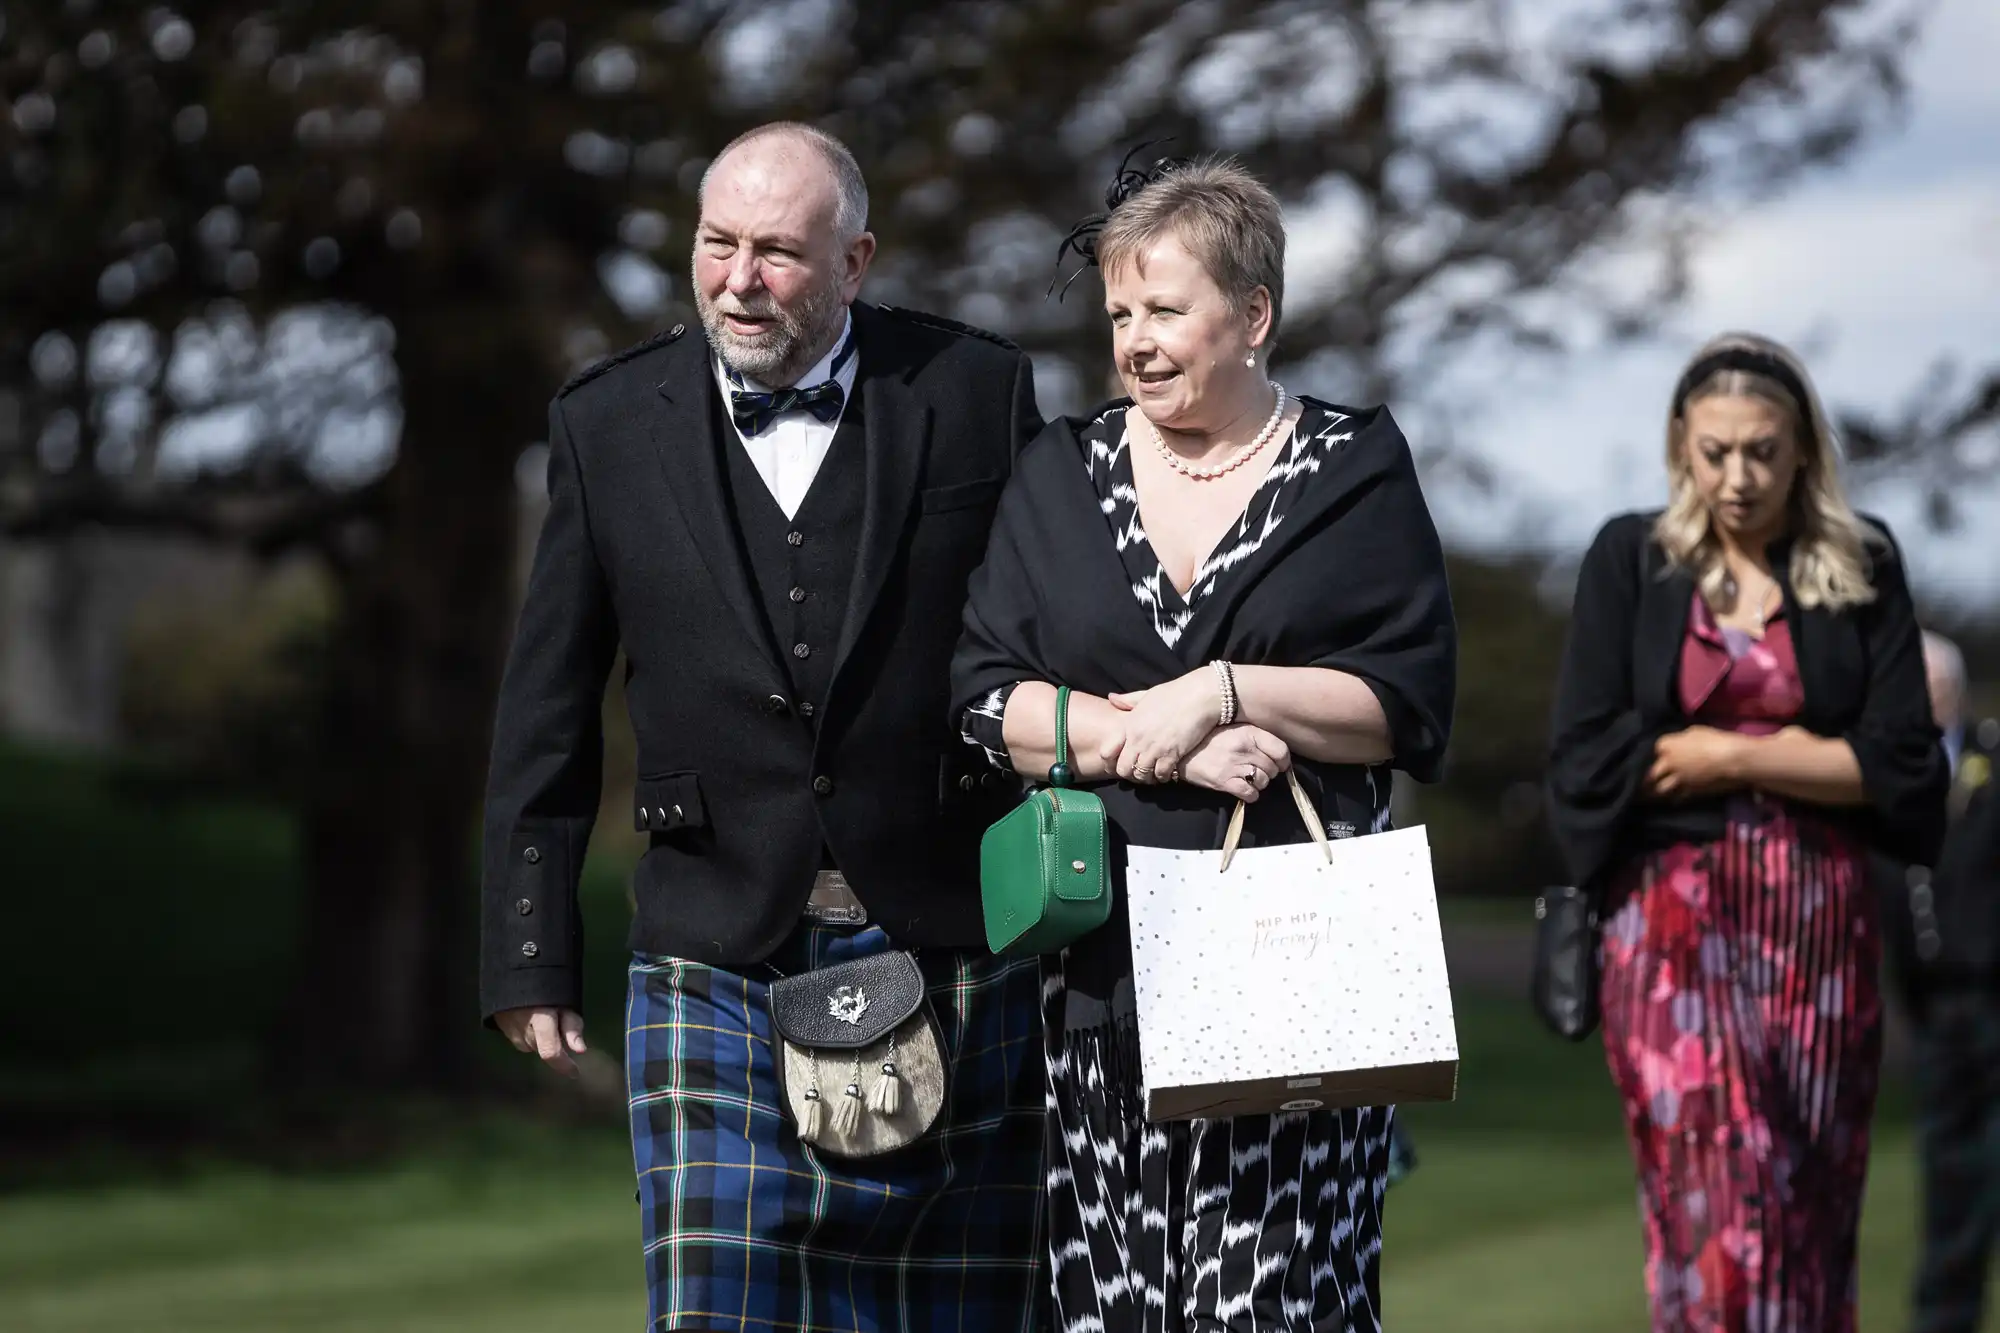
{"x": 803, "y": 567}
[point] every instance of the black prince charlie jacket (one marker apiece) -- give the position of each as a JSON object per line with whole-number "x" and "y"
{"x": 1861, "y": 669}
{"x": 744, "y": 788}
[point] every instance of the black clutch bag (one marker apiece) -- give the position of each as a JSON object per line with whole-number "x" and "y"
{"x": 1564, "y": 985}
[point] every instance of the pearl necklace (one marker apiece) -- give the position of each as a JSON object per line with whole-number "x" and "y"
{"x": 1187, "y": 469}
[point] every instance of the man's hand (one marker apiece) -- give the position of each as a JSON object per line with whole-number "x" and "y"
{"x": 550, "y": 1033}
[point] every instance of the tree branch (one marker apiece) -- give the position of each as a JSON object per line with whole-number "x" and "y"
{"x": 1938, "y": 439}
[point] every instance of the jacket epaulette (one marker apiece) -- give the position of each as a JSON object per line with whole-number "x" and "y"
{"x": 924, "y": 317}
{"x": 591, "y": 372}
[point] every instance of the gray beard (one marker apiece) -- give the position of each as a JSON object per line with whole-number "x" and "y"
{"x": 777, "y": 357}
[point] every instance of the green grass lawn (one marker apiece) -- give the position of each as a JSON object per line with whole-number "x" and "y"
{"x": 1520, "y": 1217}
{"x": 534, "y": 1236}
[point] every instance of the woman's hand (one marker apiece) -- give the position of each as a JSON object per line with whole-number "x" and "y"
{"x": 1239, "y": 760}
{"x": 1700, "y": 761}
{"x": 1163, "y": 726}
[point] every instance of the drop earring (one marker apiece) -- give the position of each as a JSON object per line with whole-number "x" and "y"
{"x": 1251, "y": 360}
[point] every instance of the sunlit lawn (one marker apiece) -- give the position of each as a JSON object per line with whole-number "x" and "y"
{"x": 533, "y": 1239}
{"x": 1498, "y": 1234}
{"x": 1520, "y": 1217}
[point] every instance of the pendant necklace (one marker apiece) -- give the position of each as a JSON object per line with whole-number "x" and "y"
{"x": 1734, "y": 592}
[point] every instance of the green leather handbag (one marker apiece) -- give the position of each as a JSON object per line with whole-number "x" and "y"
{"x": 1044, "y": 872}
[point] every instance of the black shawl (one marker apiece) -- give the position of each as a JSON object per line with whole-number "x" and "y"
{"x": 1353, "y": 579}
{"x": 1861, "y": 670}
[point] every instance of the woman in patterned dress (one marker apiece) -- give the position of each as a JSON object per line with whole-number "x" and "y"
{"x": 1233, "y": 581}
{"x": 1741, "y": 717}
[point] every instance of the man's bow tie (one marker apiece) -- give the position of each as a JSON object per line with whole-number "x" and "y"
{"x": 754, "y": 412}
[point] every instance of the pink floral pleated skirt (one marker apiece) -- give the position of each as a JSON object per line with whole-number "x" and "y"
{"x": 1743, "y": 1027}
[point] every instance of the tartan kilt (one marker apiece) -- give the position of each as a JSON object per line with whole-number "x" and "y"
{"x": 746, "y": 1228}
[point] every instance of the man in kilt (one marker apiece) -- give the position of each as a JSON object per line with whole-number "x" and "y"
{"x": 774, "y": 516}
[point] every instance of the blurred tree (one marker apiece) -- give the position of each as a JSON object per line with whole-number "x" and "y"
{"x": 222, "y": 693}
{"x": 292, "y": 274}
{"x": 1945, "y": 436}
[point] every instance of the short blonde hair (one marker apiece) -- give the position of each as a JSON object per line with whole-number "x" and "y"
{"x": 1831, "y": 563}
{"x": 1226, "y": 218}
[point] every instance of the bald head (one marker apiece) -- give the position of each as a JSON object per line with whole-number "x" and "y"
{"x": 1944, "y": 673}
{"x": 801, "y": 156}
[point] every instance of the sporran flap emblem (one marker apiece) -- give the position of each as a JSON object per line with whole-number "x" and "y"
{"x": 847, "y": 1004}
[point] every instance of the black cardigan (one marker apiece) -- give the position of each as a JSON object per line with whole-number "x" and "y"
{"x": 1861, "y": 671}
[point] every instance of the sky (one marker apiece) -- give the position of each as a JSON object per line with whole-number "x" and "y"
{"x": 1872, "y": 269}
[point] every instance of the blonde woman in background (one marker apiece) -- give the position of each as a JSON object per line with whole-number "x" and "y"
{"x": 1741, "y": 718}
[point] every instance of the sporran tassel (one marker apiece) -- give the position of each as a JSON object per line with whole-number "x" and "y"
{"x": 813, "y": 1120}
{"x": 886, "y": 1097}
{"x": 847, "y": 1115}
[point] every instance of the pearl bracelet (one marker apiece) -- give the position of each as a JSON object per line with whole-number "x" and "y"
{"x": 1226, "y": 676}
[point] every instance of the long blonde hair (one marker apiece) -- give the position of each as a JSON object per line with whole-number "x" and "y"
{"x": 1831, "y": 562}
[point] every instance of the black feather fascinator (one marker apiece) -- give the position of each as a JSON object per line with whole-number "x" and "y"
{"x": 1129, "y": 181}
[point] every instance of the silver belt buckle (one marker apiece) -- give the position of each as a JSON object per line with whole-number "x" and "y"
{"x": 833, "y": 901}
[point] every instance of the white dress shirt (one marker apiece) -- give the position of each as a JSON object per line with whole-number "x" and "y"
{"x": 788, "y": 454}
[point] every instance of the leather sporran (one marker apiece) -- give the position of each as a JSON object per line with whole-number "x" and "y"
{"x": 861, "y": 1062}
{"x": 1564, "y": 985}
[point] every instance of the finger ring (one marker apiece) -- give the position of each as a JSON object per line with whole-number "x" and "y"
{"x": 1143, "y": 774}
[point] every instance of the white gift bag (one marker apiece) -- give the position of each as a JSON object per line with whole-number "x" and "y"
{"x": 1290, "y": 978}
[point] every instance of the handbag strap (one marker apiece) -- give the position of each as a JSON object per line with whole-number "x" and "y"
{"x": 1306, "y": 812}
{"x": 1059, "y": 772}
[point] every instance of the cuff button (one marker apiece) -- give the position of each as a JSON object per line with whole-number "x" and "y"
{"x": 530, "y": 949}
{"x": 524, "y": 907}
{"x": 533, "y": 856}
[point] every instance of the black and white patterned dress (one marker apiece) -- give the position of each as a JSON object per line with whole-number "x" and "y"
{"x": 1261, "y": 1222}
